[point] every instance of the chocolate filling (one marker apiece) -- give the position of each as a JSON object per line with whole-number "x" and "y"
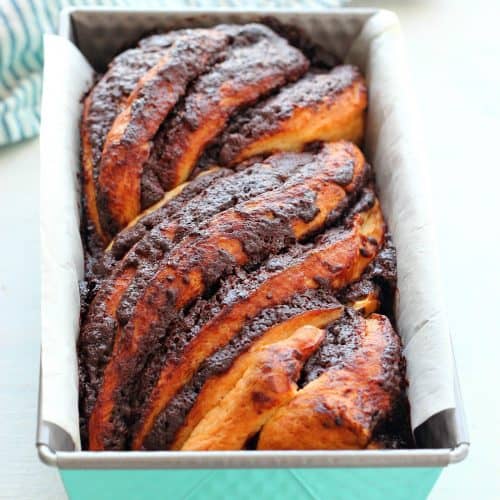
{"x": 256, "y": 54}
{"x": 379, "y": 278}
{"x": 340, "y": 343}
{"x": 266, "y": 117}
{"x": 124, "y": 240}
{"x": 268, "y": 243}
{"x": 318, "y": 55}
{"x": 172, "y": 417}
{"x": 260, "y": 236}
{"x": 220, "y": 193}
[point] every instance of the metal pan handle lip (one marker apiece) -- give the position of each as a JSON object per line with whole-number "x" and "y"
{"x": 46, "y": 455}
{"x": 52, "y": 440}
{"x": 460, "y": 452}
{"x": 49, "y": 436}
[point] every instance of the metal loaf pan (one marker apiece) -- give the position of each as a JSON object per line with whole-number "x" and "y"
{"x": 101, "y": 33}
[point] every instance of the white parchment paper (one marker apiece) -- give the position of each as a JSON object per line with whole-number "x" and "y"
{"x": 392, "y": 146}
{"x": 66, "y": 77}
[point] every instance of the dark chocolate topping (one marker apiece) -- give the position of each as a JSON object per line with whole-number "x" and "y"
{"x": 128, "y": 237}
{"x": 255, "y": 55}
{"x": 266, "y": 117}
{"x": 110, "y": 92}
{"x": 172, "y": 417}
{"x": 341, "y": 341}
{"x": 318, "y": 55}
{"x": 174, "y": 235}
{"x": 260, "y": 236}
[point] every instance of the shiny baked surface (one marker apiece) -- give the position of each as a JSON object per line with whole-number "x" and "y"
{"x": 237, "y": 253}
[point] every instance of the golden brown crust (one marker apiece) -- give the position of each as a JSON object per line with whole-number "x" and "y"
{"x": 336, "y": 263}
{"x": 117, "y": 271}
{"x": 128, "y": 144}
{"x": 258, "y": 62}
{"x": 139, "y": 250}
{"x": 340, "y": 409}
{"x": 167, "y": 197}
{"x": 318, "y": 107}
{"x": 267, "y": 383}
{"x": 233, "y": 238}
{"x": 100, "y": 109}
{"x": 200, "y": 319}
{"x": 215, "y": 388}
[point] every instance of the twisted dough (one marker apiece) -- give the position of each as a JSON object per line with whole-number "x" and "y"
{"x": 128, "y": 145}
{"x": 267, "y": 383}
{"x": 237, "y": 299}
{"x": 342, "y": 407}
{"x": 318, "y": 107}
{"x": 236, "y": 237}
{"x": 101, "y": 107}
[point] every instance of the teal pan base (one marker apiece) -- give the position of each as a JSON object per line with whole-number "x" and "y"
{"x": 254, "y": 484}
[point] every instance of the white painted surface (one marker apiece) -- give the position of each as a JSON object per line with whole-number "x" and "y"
{"x": 454, "y": 55}
{"x": 22, "y": 476}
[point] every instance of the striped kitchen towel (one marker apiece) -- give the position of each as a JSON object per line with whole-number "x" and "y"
{"x": 22, "y": 24}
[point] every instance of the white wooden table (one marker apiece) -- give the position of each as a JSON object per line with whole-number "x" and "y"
{"x": 454, "y": 54}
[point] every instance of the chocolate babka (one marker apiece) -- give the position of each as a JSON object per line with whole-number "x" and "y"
{"x": 240, "y": 277}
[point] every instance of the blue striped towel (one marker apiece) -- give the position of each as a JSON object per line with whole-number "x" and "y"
{"x": 22, "y": 24}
